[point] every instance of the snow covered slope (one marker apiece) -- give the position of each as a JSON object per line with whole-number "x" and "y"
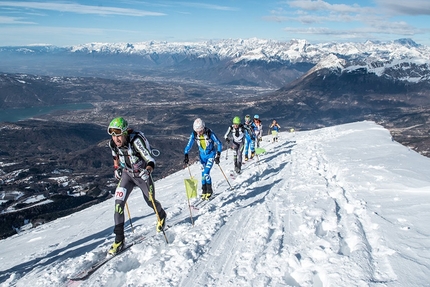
{"x": 339, "y": 206}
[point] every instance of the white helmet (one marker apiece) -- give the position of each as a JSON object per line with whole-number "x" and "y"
{"x": 198, "y": 125}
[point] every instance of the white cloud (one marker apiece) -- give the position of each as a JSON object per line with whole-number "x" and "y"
{"x": 207, "y": 6}
{"x": 324, "y": 6}
{"x": 13, "y": 20}
{"x": 410, "y": 7}
{"x": 80, "y": 9}
{"x": 318, "y": 17}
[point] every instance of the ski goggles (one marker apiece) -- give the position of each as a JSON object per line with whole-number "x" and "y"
{"x": 115, "y": 132}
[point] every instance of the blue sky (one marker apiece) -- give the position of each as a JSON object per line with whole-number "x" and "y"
{"x": 65, "y": 23}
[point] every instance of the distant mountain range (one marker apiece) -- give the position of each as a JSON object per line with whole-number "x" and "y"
{"x": 252, "y": 62}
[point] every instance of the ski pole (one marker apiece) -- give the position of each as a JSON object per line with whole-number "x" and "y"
{"x": 224, "y": 176}
{"x": 151, "y": 198}
{"x": 189, "y": 205}
{"x": 189, "y": 170}
{"x": 258, "y": 162}
{"x": 129, "y": 217}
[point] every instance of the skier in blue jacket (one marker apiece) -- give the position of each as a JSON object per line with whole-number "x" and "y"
{"x": 249, "y": 137}
{"x": 206, "y": 141}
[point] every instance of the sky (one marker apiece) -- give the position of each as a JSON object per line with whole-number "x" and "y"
{"x": 67, "y": 23}
{"x": 339, "y": 206}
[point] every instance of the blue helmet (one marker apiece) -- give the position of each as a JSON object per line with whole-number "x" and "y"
{"x": 257, "y": 117}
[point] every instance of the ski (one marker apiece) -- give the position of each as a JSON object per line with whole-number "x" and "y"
{"x": 202, "y": 202}
{"x": 234, "y": 174}
{"x": 86, "y": 273}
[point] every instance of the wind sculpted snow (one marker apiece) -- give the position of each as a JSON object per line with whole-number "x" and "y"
{"x": 339, "y": 206}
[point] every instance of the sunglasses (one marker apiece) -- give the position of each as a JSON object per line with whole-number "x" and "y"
{"x": 115, "y": 132}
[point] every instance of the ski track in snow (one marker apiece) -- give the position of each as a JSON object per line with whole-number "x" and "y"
{"x": 292, "y": 219}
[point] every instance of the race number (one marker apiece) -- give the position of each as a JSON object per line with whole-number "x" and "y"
{"x": 120, "y": 193}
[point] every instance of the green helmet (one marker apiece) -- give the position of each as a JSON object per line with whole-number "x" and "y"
{"x": 117, "y": 126}
{"x": 236, "y": 120}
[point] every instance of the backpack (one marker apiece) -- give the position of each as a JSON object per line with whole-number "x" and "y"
{"x": 133, "y": 136}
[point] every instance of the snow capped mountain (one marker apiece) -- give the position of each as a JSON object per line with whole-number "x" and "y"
{"x": 253, "y": 60}
{"x": 338, "y": 206}
{"x": 402, "y": 59}
{"x": 268, "y": 50}
{"x": 330, "y": 62}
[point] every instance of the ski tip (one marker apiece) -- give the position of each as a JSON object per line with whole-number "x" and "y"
{"x": 73, "y": 281}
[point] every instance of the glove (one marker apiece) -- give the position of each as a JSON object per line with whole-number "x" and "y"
{"x": 227, "y": 140}
{"x": 217, "y": 157}
{"x": 260, "y": 139}
{"x": 186, "y": 160}
{"x": 144, "y": 174}
{"x": 117, "y": 173}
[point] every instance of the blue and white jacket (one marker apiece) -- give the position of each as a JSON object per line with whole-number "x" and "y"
{"x": 206, "y": 143}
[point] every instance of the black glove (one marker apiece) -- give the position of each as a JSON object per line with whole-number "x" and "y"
{"x": 227, "y": 140}
{"x": 218, "y": 155}
{"x": 186, "y": 160}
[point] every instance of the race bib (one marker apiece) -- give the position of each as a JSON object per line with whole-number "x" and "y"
{"x": 120, "y": 193}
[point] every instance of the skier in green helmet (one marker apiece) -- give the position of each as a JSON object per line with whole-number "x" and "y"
{"x": 133, "y": 165}
{"x": 238, "y": 133}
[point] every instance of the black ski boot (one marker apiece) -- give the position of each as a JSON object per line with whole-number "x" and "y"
{"x": 209, "y": 191}
{"x": 239, "y": 168}
{"x": 204, "y": 191}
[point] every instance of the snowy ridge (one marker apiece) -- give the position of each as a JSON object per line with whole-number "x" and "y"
{"x": 339, "y": 206}
{"x": 266, "y": 50}
{"x": 382, "y": 58}
{"x": 331, "y": 62}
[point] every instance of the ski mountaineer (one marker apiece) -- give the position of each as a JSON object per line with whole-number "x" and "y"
{"x": 275, "y": 127}
{"x": 249, "y": 137}
{"x": 206, "y": 141}
{"x": 238, "y": 132}
{"x": 133, "y": 164}
{"x": 258, "y": 130}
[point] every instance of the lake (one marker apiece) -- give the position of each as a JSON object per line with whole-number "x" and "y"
{"x": 14, "y": 115}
